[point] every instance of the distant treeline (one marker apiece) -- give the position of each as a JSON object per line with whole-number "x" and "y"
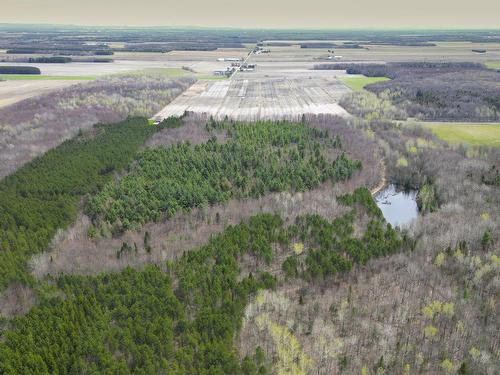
{"x": 400, "y": 69}
{"x": 309, "y": 44}
{"x": 329, "y": 45}
{"x": 177, "y": 46}
{"x": 275, "y": 44}
{"x": 70, "y": 50}
{"x": 50, "y": 60}
{"x": 318, "y": 45}
{"x": 19, "y": 70}
{"x": 103, "y": 53}
{"x": 98, "y": 60}
{"x": 86, "y": 41}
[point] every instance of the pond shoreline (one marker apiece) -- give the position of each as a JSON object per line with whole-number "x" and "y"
{"x": 383, "y": 181}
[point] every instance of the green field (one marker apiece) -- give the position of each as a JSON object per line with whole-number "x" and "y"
{"x": 358, "y": 83}
{"x": 37, "y": 77}
{"x": 474, "y": 134}
{"x": 493, "y": 64}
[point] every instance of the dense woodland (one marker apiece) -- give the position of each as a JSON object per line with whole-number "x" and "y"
{"x": 254, "y": 160}
{"x": 435, "y": 91}
{"x": 43, "y": 196}
{"x": 330, "y": 281}
{"x": 333, "y": 246}
{"x": 138, "y": 322}
{"x": 143, "y": 322}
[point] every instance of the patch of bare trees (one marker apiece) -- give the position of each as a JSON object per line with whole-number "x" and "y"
{"x": 435, "y": 91}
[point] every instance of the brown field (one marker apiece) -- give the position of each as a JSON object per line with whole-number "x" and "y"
{"x": 14, "y": 91}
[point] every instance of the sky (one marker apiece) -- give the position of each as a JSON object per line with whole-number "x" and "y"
{"x": 330, "y": 14}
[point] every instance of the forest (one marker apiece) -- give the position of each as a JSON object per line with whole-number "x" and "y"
{"x": 435, "y": 91}
{"x": 254, "y": 160}
{"x": 312, "y": 294}
{"x": 180, "y": 318}
{"x": 333, "y": 247}
{"x": 430, "y": 308}
{"x": 42, "y": 197}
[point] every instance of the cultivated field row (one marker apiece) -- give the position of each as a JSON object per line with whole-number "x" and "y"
{"x": 248, "y": 99}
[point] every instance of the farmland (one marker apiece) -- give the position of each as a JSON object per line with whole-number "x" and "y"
{"x": 468, "y": 133}
{"x": 250, "y": 98}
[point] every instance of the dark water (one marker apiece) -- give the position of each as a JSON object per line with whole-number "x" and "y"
{"x": 399, "y": 207}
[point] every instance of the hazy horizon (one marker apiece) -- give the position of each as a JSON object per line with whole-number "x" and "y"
{"x": 180, "y": 27}
{"x": 278, "y": 14}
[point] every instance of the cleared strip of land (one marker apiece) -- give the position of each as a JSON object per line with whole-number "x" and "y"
{"x": 483, "y": 134}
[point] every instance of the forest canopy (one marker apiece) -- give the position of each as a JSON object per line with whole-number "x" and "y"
{"x": 143, "y": 322}
{"x": 42, "y": 197}
{"x": 254, "y": 160}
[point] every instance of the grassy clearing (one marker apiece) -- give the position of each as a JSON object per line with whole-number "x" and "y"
{"x": 210, "y": 77}
{"x": 474, "y": 134}
{"x": 493, "y": 64}
{"x": 358, "y": 83}
{"x": 41, "y": 77}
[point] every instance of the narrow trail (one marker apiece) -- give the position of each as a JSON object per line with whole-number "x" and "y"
{"x": 382, "y": 182}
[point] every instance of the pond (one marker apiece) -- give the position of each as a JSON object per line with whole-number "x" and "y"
{"x": 399, "y": 207}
